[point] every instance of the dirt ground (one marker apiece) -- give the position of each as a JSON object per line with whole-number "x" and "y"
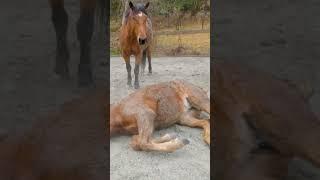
{"x": 190, "y": 162}
{"x": 281, "y": 37}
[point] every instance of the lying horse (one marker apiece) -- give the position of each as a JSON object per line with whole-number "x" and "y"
{"x": 159, "y": 106}
{"x": 63, "y": 145}
{"x": 261, "y": 122}
{"x": 135, "y": 39}
{"x": 84, "y": 31}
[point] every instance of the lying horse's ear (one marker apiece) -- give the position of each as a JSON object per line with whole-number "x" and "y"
{"x": 131, "y": 5}
{"x": 146, "y": 6}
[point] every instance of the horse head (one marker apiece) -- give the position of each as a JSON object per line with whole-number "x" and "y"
{"x": 138, "y": 20}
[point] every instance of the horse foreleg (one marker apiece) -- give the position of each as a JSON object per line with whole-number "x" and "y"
{"x": 165, "y": 143}
{"x": 144, "y": 141}
{"x": 136, "y": 71}
{"x": 128, "y": 66}
{"x": 84, "y": 31}
{"x": 59, "y": 19}
{"x": 165, "y": 138}
{"x": 143, "y": 63}
{"x": 149, "y": 59}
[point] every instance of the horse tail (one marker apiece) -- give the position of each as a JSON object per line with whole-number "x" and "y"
{"x": 102, "y": 12}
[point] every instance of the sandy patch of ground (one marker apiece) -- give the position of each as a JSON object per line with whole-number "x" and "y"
{"x": 190, "y": 162}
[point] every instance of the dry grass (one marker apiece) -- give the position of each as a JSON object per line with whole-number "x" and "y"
{"x": 170, "y": 42}
{"x": 183, "y": 44}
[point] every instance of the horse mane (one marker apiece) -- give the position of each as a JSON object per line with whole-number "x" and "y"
{"x": 139, "y": 7}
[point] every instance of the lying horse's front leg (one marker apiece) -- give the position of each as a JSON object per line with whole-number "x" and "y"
{"x": 144, "y": 141}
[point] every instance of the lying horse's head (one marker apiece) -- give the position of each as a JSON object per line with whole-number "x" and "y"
{"x": 137, "y": 20}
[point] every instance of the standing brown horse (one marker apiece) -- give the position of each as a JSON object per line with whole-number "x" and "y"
{"x": 135, "y": 39}
{"x": 84, "y": 32}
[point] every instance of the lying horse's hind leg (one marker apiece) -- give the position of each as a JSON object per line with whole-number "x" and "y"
{"x": 84, "y": 31}
{"x": 188, "y": 119}
{"x": 59, "y": 19}
{"x": 138, "y": 144}
{"x": 144, "y": 141}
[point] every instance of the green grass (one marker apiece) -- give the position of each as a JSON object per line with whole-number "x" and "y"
{"x": 114, "y": 51}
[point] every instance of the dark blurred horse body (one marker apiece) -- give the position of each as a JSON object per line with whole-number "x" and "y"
{"x": 84, "y": 32}
{"x": 135, "y": 39}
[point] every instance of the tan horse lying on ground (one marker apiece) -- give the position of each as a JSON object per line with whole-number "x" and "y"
{"x": 260, "y": 124}
{"x": 158, "y": 106}
{"x": 67, "y": 145}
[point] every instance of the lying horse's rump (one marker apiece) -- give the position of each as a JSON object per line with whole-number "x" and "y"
{"x": 260, "y": 124}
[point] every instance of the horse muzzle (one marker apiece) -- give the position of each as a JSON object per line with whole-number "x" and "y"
{"x": 142, "y": 41}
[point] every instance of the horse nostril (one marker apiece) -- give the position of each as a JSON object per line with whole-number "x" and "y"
{"x": 142, "y": 41}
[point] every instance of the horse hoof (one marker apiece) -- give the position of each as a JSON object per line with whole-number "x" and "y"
{"x": 185, "y": 141}
{"x": 85, "y": 78}
{"x": 62, "y": 73}
{"x": 136, "y": 86}
{"x": 172, "y": 135}
{"x": 85, "y": 83}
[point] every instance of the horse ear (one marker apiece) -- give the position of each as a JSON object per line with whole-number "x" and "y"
{"x": 131, "y": 5}
{"x": 146, "y": 6}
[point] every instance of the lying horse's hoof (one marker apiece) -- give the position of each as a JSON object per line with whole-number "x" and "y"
{"x": 185, "y": 141}
{"x": 172, "y": 135}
